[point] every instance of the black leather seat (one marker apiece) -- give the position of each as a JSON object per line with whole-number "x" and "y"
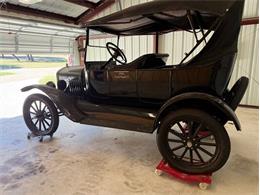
{"x": 146, "y": 61}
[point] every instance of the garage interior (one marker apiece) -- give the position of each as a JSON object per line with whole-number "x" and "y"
{"x": 82, "y": 159}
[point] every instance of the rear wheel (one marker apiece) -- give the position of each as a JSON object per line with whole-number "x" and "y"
{"x": 192, "y": 141}
{"x": 40, "y": 115}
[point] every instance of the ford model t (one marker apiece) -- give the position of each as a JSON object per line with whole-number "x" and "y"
{"x": 187, "y": 104}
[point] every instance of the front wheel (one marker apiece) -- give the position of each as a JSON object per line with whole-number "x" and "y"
{"x": 192, "y": 141}
{"x": 40, "y": 115}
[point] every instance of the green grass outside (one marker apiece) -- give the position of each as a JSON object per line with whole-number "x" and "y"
{"x": 47, "y": 78}
{"x": 4, "y": 73}
{"x": 24, "y": 64}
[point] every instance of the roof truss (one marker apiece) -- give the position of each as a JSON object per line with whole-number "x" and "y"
{"x": 93, "y": 9}
{"x": 36, "y": 13}
{"x": 102, "y": 5}
{"x": 83, "y": 3}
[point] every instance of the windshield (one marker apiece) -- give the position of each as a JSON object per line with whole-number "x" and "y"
{"x": 96, "y": 50}
{"x": 132, "y": 46}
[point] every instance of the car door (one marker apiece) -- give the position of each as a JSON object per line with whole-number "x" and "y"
{"x": 154, "y": 83}
{"x": 122, "y": 82}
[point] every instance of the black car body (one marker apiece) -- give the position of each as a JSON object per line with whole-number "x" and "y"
{"x": 140, "y": 95}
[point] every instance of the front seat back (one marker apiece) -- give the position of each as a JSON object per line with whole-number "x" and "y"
{"x": 153, "y": 61}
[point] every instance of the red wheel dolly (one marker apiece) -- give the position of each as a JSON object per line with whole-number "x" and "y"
{"x": 203, "y": 180}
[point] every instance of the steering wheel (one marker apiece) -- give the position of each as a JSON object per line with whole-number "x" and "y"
{"x": 116, "y": 52}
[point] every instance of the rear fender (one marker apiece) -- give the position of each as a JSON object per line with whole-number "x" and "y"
{"x": 206, "y": 102}
{"x": 65, "y": 103}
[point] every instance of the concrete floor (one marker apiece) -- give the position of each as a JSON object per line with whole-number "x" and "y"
{"x": 85, "y": 159}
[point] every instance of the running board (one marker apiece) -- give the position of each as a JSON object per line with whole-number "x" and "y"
{"x": 128, "y": 118}
{"x": 86, "y": 112}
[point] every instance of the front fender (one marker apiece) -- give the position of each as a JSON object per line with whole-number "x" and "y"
{"x": 44, "y": 88}
{"x": 192, "y": 99}
{"x": 66, "y": 103}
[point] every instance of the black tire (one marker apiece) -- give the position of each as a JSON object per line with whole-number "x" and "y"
{"x": 38, "y": 107}
{"x": 187, "y": 130}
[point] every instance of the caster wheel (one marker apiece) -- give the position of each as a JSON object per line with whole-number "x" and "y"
{"x": 158, "y": 172}
{"x": 203, "y": 186}
{"x": 41, "y": 139}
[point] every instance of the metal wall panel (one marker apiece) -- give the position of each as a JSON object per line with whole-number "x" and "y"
{"x": 25, "y": 43}
{"x": 133, "y": 47}
{"x": 7, "y": 42}
{"x": 251, "y": 8}
{"x": 247, "y": 63}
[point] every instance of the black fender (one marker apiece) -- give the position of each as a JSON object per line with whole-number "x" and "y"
{"x": 65, "y": 103}
{"x": 203, "y": 101}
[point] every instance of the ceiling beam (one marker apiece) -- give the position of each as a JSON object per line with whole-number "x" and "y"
{"x": 8, "y": 31}
{"x": 102, "y": 5}
{"x": 34, "y": 20}
{"x": 66, "y": 29}
{"x": 83, "y": 3}
{"x": 36, "y": 13}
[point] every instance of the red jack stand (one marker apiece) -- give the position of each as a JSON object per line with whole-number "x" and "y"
{"x": 203, "y": 180}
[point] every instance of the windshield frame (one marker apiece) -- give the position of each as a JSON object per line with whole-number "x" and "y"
{"x": 87, "y": 44}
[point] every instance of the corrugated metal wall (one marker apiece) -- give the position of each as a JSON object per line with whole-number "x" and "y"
{"x": 251, "y": 8}
{"x": 132, "y": 46}
{"x": 24, "y": 44}
{"x": 247, "y": 63}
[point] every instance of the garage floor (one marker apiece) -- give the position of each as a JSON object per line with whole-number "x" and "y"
{"x": 85, "y": 159}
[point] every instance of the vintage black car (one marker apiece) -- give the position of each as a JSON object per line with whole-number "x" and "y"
{"x": 187, "y": 104}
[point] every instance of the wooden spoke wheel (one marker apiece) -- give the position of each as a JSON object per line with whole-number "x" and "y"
{"x": 40, "y": 115}
{"x": 192, "y": 141}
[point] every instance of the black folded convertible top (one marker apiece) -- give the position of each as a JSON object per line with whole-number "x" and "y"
{"x": 161, "y": 16}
